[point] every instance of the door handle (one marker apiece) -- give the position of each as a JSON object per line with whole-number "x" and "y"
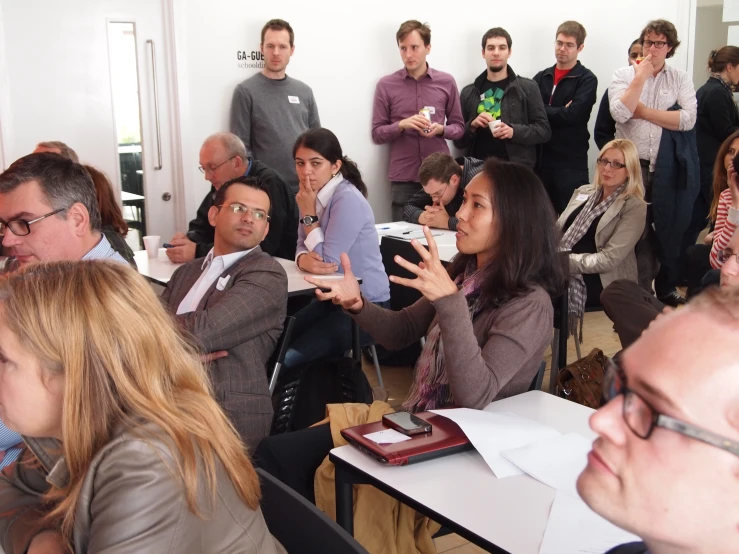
{"x": 156, "y": 105}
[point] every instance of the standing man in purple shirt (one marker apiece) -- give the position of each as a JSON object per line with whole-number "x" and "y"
{"x": 415, "y": 110}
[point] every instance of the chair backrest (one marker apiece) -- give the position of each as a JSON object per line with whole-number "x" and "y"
{"x": 400, "y": 296}
{"x": 299, "y": 525}
{"x": 538, "y": 378}
{"x": 278, "y": 357}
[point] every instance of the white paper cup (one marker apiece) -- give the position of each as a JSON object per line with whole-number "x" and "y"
{"x": 151, "y": 243}
{"x": 162, "y": 254}
{"x": 494, "y": 124}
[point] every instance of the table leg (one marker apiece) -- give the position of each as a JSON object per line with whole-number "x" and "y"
{"x": 344, "y": 500}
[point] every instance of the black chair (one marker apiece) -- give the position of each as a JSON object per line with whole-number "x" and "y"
{"x": 400, "y": 296}
{"x": 278, "y": 357}
{"x": 538, "y": 378}
{"x": 299, "y": 525}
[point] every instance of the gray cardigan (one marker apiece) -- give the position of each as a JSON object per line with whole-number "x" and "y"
{"x": 617, "y": 233}
{"x": 492, "y": 357}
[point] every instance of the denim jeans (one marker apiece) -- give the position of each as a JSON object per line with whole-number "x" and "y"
{"x": 322, "y": 330}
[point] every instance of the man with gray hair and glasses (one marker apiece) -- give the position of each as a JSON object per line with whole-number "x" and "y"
{"x": 57, "y": 147}
{"x": 665, "y": 465}
{"x": 223, "y": 157}
{"x": 48, "y": 212}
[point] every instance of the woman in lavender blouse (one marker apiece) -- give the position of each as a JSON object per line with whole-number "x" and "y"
{"x": 335, "y": 217}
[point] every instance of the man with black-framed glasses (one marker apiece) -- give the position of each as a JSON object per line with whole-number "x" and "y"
{"x": 665, "y": 465}
{"x": 233, "y": 301}
{"x": 223, "y": 157}
{"x": 48, "y": 212}
{"x": 655, "y": 107}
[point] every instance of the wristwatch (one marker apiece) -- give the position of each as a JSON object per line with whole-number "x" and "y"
{"x": 309, "y": 220}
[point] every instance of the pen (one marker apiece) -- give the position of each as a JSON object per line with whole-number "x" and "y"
{"x": 167, "y": 245}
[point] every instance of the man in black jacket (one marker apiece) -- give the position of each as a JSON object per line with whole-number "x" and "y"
{"x": 568, "y": 90}
{"x": 222, "y": 158}
{"x": 504, "y": 115}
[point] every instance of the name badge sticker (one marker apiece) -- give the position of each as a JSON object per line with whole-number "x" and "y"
{"x": 293, "y": 99}
{"x": 431, "y": 109}
{"x": 581, "y": 197}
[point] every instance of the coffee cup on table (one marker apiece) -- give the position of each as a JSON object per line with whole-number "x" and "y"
{"x": 151, "y": 243}
{"x": 494, "y": 124}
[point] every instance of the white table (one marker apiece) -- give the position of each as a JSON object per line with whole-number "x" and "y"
{"x": 446, "y": 241}
{"x": 160, "y": 270}
{"x": 461, "y": 492}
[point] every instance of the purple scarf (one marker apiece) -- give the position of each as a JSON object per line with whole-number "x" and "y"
{"x": 430, "y": 389}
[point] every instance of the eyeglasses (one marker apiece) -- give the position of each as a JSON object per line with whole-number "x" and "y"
{"x": 212, "y": 168}
{"x": 642, "y": 419}
{"x": 568, "y": 45}
{"x": 21, "y": 227}
{"x": 603, "y": 162}
{"x": 726, "y": 254}
{"x": 240, "y": 209}
{"x": 439, "y": 193}
{"x": 659, "y": 44}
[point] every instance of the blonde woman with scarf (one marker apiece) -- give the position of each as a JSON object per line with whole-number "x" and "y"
{"x": 601, "y": 226}
{"x": 487, "y": 318}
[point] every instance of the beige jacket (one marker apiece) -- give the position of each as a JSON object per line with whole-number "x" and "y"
{"x": 131, "y": 503}
{"x": 617, "y": 233}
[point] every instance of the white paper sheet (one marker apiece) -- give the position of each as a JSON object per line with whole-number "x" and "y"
{"x": 556, "y": 462}
{"x": 492, "y": 432}
{"x": 573, "y": 528}
{"x": 387, "y": 436}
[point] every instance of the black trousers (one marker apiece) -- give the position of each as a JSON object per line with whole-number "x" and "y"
{"x": 561, "y": 183}
{"x": 631, "y": 309}
{"x": 695, "y": 264}
{"x": 293, "y": 458}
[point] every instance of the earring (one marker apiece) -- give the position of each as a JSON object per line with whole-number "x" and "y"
{"x": 334, "y": 175}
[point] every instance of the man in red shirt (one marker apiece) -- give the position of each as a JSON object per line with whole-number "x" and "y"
{"x": 568, "y": 90}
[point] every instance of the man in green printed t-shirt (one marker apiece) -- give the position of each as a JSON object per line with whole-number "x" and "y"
{"x": 504, "y": 114}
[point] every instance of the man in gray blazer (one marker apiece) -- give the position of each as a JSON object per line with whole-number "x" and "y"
{"x": 233, "y": 302}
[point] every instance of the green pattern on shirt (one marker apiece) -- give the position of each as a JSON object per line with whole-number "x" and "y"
{"x": 491, "y": 102}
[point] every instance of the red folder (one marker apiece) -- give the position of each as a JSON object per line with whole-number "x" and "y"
{"x": 445, "y": 438}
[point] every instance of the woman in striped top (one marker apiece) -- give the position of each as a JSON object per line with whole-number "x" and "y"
{"x": 725, "y": 208}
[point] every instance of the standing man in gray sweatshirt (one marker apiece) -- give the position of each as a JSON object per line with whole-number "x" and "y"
{"x": 270, "y": 110}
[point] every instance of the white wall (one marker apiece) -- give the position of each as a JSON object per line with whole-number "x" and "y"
{"x": 343, "y": 48}
{"x": 710, "y": 33}
{"x": 44, "y": 55}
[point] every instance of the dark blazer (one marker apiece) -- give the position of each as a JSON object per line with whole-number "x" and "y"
{"x": 245, "y": 319}
{"x": 283, "y": 225}
{"x": 674, "y": 189}
{"x": 522, "y": 109}
{"x": 717, "y": 119}
{"x": 568, "y": 147}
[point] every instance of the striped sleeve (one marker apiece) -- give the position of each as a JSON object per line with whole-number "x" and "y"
{"x": 726, "y": 222}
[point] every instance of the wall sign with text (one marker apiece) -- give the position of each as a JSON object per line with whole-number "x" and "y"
{"x": 250, "y": 59}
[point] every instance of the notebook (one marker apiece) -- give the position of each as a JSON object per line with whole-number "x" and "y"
{"x": 445, "y": 438}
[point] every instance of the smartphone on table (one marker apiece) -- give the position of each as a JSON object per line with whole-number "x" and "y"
{"x": 406, "y": 423}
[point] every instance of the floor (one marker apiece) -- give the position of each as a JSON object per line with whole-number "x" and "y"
{"x": 597, "y": 333}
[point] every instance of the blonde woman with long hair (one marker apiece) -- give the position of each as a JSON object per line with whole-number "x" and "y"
{"x": 601, "y": 226}
{"x": 127, "y": 449}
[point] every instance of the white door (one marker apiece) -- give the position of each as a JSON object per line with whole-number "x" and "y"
{"x": 96, "y": 75}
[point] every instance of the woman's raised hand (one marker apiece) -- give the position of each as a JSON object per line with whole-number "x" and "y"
{"x": 432, "y": 279}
